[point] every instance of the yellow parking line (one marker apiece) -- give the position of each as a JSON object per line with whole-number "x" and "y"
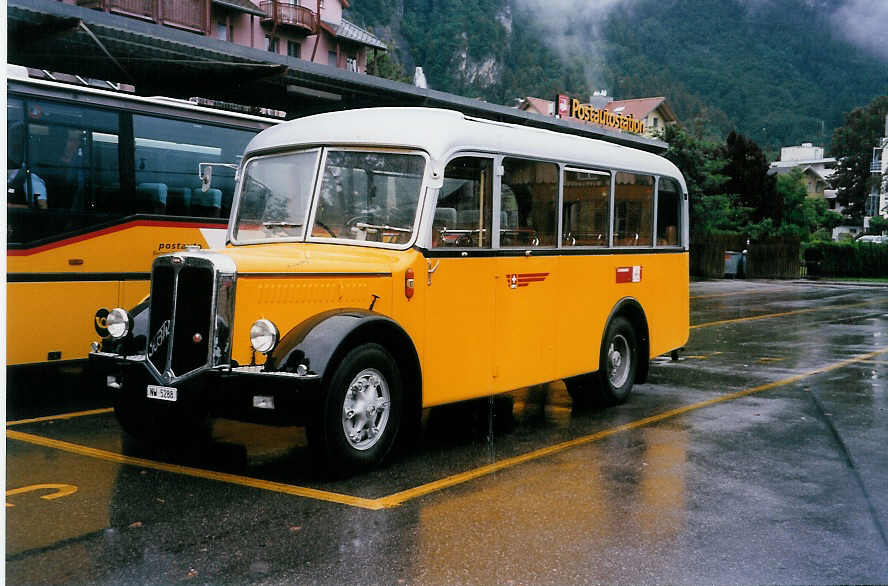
{"x": 785, "y": 313}
{"x": 116, "y": 458}
{"x": 61, "y": 416}
{"x": 399, "y": 498}
{"x": 747, "y": 292}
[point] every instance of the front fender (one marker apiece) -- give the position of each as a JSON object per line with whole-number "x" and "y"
{"x": 318, "y": 342}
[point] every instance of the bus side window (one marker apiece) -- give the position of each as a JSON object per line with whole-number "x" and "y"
{"x": 465, "y": 208}
{"x": 633, "y": 209}
{"x": 167, "y": 154}
{"x": 527, "y": 202}
{"x": 668, "y": 213}
{"x": 586, "y": 215}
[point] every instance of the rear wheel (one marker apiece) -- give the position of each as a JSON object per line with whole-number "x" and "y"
{"x": 617, "y": 368}
{"x": 361, "y": 413}
{"x": 618, "y": 362}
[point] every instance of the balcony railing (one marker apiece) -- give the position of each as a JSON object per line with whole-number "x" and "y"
{"x": 876, "y": 167}
{"x": 188, "y": 14}
{"x": 281, "y": 13}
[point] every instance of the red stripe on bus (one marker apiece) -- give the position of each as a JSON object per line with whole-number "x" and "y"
{"x": 110, "y": 230}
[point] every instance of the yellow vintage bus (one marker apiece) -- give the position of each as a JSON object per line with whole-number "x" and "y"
{"x": 99, "y": 183}
{"x": 384, "y": 260}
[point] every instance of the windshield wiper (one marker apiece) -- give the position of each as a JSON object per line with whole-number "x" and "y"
{"x": 282, "y": 224}
{"x": 365, "y": 226}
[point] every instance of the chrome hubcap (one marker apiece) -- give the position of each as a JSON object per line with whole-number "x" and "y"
{"x": 365, "y": 411}
{"x": 618, "y": 361}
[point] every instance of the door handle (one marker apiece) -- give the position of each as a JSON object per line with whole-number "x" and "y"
{"x": 431, "y": 269}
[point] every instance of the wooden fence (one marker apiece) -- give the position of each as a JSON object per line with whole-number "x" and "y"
{"x": 772, "y": 258}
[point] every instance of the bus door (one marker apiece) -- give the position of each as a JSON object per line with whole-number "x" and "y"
{"x": 526, "y": 278}
{"x": 459, "y": 335}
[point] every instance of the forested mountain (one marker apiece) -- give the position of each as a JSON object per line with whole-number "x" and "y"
{"x": 778, "y": 71}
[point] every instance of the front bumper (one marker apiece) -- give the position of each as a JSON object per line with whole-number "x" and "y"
{"x": 229, "y": 392}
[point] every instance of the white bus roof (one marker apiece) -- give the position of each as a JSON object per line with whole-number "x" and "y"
{"x": 442, "y": 132}
{"x": 17, "y": 73}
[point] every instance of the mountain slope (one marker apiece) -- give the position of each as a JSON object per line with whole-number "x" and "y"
{"x": 780, "y": 72}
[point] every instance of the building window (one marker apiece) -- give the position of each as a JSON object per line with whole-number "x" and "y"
{"x": 271, "y": 44}
{"x": 294, "y": 50}
{"x": 656, "y": 122}
{"x": 222, "y": 31}
{"x": 332, "y": 59}
{"x": 351, "y": 63}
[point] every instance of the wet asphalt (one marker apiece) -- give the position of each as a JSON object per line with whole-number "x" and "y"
{"x": 759, "y": 457}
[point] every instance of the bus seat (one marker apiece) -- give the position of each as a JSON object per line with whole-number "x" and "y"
{"x": 206, "y": 203}
{"x": 179, "y": 201}
{"x": 468, "y": 219}
{"x": 446, "y": 217}
{"x": 152, "y": 197}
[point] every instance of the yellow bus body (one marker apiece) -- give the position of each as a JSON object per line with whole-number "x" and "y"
{"x": 53, "y": 291}
{"x": 474, "y": 334}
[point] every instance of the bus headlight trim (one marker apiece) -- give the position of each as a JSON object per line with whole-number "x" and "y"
{"x": 264, "y": 336}
{"x": 117, "y": 323}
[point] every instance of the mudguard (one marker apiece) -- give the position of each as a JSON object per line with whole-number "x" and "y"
{"x": 319, "y": 342}
{"x": 633, "y": 311}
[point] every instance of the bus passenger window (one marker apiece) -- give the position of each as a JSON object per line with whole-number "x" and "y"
{"x": 633, "y": 209}
{"x": 586, "y": 214}
{"x": 668, "y": 213}
{"x": 527, "y": 202}
{"x": 465, "y": 208}
{"x": 167, "y": 154}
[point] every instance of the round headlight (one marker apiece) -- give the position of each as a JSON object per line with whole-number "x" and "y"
{"x": 263, "y": 336}
{"x": 117, "y": 323}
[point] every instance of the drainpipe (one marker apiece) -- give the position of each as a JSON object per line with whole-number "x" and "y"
{"x": 317, "y": 32}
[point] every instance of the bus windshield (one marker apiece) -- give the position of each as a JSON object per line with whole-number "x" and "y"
{"x": 364, "y": 196}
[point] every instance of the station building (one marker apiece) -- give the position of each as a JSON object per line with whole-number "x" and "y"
{"x": 265, "y": 55}
{"x": 313, "y": 30}
{"x": 654, "y": 113}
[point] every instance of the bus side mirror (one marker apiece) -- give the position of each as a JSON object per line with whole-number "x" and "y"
{"x": 206, "y": 177}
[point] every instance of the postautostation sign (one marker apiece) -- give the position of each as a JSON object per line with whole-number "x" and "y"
{"x": 569, "y": 107}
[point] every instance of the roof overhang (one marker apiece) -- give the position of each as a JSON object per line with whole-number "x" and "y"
{"x": 244, "y": 6}
{"x": 159, "y": 60}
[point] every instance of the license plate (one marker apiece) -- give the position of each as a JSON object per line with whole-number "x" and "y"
{"x": 162, "y": 393}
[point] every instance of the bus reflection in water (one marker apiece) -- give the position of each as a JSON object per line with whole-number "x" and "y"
{"x": 98, "y": 184}
{"x": 386, "y": 260}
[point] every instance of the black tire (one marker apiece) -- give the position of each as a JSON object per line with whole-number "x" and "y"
{"x": 583, "y": 391}
{"x": 361, "y": 413}
{"x": 615, "y": 376}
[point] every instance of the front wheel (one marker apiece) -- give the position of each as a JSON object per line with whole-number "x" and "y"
{"x": 361, "y": 412}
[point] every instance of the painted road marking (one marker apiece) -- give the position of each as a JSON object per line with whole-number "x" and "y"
{"x": 399, "y": 498}
{"x": 747, "y": 292}
{"x": 116, "y": 458}
{"x": 785, "y": 313}
{"x": 62, "y": 416}
{"x": 59, "y": 489}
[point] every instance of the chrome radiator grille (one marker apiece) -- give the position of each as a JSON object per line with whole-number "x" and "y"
{"x": 188, "y": 328}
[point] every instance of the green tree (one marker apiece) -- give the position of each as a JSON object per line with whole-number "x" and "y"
{"x": 384, "y": 64}
{"x": 747, "y": 170}
{"x": 852, "y": 145}
{"x": 878, "y": 225}
{"x": 701, "y": 163}
{"x": 802, "y": 215}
